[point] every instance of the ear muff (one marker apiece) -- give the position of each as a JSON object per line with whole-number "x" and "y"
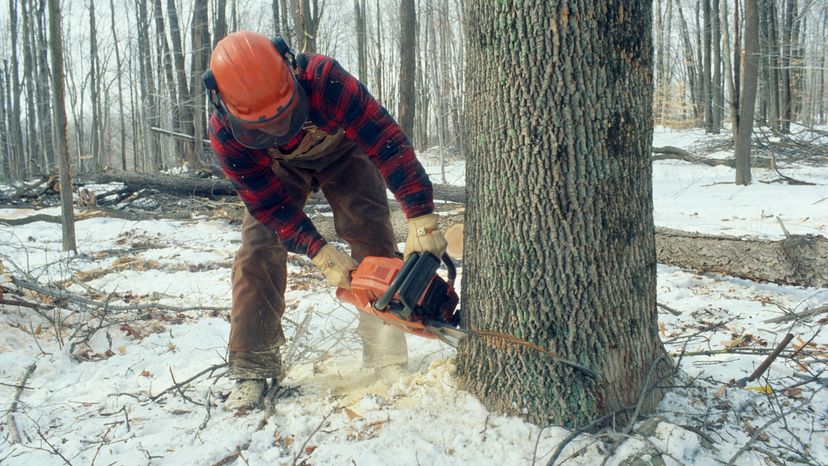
{"x": 281, "y": 46}
{"x": 209, "y": 80}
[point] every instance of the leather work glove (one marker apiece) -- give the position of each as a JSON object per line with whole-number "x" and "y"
{"x": 425, "y": 235}
{"x": 336, "y": 265}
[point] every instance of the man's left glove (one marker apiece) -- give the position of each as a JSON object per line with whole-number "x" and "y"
{"x": 336, "y": 265}
{"x": 424, "y": 234}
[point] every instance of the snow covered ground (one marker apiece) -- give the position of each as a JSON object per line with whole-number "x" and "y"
{"x": 102, "y": 389}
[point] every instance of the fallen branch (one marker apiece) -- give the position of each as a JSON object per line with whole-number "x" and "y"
{"x": 13, "y": 432}
{"x": 799, "y": 315}
{"x": 178, "y": 385}
{"x": 63, "y": 295}
{"x": 304, "y": 445}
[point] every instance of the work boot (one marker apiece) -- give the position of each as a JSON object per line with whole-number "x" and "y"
{"x": 247, "y": 394}
{"x": 391, "y": 373}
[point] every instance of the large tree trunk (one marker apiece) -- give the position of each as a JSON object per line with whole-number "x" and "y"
{"x": 563, "y": 254}
{"x": 60, "y": 131}
{"x": 408, "y": 63}
{"x": 747, "y": 102}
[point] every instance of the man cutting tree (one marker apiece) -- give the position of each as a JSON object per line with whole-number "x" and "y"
{"x": 285, "y": 125}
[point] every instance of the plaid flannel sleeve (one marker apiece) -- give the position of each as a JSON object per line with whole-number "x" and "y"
{"x": 259, "y": 188}
{"x": 343, "y": 99}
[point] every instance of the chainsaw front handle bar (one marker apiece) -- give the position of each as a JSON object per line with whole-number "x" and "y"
{"x": 385, "y": 299}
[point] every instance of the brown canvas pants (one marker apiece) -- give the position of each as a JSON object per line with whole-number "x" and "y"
{"x": 356, "y": 193}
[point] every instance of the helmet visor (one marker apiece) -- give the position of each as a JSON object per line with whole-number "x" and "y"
{"x": 276, "y": 130}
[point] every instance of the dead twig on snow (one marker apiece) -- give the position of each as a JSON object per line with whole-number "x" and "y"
{"x": 13, "y": 432}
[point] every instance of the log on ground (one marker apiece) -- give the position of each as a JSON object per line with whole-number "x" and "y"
{"x": 796, "y": 260}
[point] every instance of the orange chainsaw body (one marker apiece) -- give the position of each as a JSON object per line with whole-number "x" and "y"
{"x": 433, "y": 298}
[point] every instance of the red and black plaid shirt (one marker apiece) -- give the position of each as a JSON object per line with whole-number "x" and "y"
{"x": 336, "y": 99}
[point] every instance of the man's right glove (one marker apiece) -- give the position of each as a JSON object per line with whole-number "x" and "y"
{"x": 336, "y": 265}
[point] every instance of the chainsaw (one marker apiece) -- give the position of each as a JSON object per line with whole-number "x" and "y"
{"x": 409, "y": 295}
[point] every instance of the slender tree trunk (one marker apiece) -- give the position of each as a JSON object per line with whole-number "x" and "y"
{"x": 119, "y": 71}
{"x": 60, "y": 133}
{"x": 220, "y": 28}
{"x": 43, "y": 92}
{"x": 773, "y": 39}
{"x": 185, "y": 109}
{"x": 163, "y": 48}
{"x": 362, "y": 40}
{"x": 33, "y": 142}
{"x": 708, "y": 82}
{"x": 277, "y": 26}
{"x": 94, "y": 87}
{"x": 718, "y": 100}
{"x": 437, "y": 93}
{"x": 379, "y": 65}
{"x": 730, "y": 99}
{"x": 200, "y": 62}
{"x": 789, "y": 10}
{"x": 576, "y": 213}
{"x": 306, "y": 17}
{"x": 19, "y": 150}
{"x": 750, "y": 76}
{"x": 5, "y": 153}
{"x": 689, "y": 62}
{"x": 408, "y": 64}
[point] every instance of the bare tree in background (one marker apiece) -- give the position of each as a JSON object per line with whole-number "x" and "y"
{"x": 60, "y": 133}
{"x": 408, "y": 63}
{"x": 306, "y": 17}
{"x": 750, "y": 76}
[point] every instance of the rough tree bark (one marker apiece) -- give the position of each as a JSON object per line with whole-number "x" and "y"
{"x": 747, "y": 100}
{"x": 562, "y": 255}
{"x": 408, "y": 64}
{"x": 60, "y": 134}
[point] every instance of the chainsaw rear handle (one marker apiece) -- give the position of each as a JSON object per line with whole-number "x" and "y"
{"x": 385, "y": 299}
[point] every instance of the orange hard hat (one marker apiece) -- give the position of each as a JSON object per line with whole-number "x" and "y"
{"x": 256, "y": 88}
